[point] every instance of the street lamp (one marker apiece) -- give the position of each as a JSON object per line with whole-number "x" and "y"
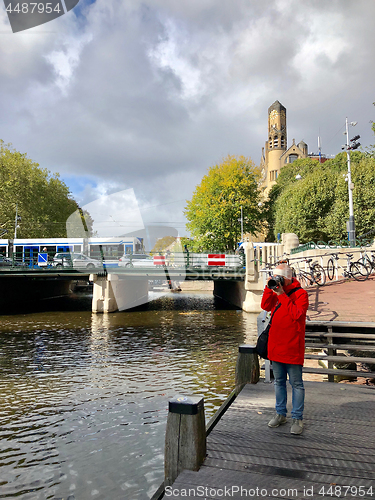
{"x": 241, "y": 220}
{"x": 16, "y": 225}
{"x": 354, "y": 145}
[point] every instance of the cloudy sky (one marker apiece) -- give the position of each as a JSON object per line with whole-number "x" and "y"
{"x": 148, "y": 94}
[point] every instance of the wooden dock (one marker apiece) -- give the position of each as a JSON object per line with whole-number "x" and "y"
{"x": 333, "y": 458}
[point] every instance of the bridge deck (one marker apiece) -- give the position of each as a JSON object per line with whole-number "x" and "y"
{"x": 336, "y": 450}
{"x": 157, "y": 272}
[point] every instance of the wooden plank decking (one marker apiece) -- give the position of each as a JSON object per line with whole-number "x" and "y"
{"x": 336, "y": 449}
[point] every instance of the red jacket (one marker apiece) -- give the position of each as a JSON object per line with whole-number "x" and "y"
{"x": 286, "y": 341}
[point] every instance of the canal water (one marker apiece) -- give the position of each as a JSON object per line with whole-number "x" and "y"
{"x": 84, "y": 397}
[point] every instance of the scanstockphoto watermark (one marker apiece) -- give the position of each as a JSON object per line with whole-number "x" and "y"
{"x": 230, "y": 492}
{"x": 332, "y": 490}
{"x": 26, "y": 14}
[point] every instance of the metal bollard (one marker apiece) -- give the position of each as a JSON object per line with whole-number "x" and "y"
{"x": 247, "y": 366}
{"x": 185, "y": 437}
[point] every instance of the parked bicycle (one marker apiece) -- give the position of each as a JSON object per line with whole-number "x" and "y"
{"x": 356, "y": 270}
{"x": 368, "y": 260}
{"x": 315, "y": 275}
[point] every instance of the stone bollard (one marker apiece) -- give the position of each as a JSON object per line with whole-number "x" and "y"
{"x": 247, "y": 366}
{"x": 185, "y": 437}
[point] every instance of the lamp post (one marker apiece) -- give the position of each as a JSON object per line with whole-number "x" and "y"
{"x": 241, "y": 224}
{"x": 241, "y": 220}
{"x": 16, "y": 226}
{"x": 349, "y": 147}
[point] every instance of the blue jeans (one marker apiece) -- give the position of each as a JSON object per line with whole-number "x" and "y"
{"x": 280, "y": 371}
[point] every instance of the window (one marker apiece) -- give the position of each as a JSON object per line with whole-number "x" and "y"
{"x": 270, "y": 142}
{"x": 275, "y": 141}
{"x": 273, "y": 175}
{"x": 282, "y": 141}
{"x": 292, "y": 158}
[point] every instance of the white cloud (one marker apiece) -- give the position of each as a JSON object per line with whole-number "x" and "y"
{"x": 66, "y": 59}
{"x": 169, "y": 54}
{"x": 148, "y": 94}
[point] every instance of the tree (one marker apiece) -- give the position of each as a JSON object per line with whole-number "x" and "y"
{"x": 163, "y": 243}
{"x": 285, "y": 180}
{"x": 215, "y": 208}
{"x": 317, "y": 206}
{"x": 41, "y": 199}
{"x": 370, "y": 151}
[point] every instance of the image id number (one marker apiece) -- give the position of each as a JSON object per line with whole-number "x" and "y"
{"x": 30, "y": 8}
{"x": 350, "y": 491}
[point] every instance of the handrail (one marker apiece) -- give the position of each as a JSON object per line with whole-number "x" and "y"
{"x": 359, "y": 242}
{"x": 329, "y": 336}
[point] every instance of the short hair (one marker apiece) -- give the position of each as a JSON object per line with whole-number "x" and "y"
{"x": 283, "y": 270}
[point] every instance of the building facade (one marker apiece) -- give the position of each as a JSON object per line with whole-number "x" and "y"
{"x": 276, "y": 153}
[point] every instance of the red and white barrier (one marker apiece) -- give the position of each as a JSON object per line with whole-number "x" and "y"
{"x": 214, "y": 259}
{"x": 159, "y": 260}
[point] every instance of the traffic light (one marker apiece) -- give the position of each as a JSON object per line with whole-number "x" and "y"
{"x": 353, "y": 142}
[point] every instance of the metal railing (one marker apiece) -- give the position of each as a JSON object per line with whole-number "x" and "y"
{"x": 332, "y": 244}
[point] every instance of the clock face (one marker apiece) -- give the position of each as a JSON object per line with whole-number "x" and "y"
{"x": 273, "y": 114}
{"x": 273, "y": 117}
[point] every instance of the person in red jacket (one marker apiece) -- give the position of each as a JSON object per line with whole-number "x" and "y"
{"x": 286, "y": 344}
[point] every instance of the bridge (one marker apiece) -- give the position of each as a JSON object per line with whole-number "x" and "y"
{"x": 237, "y": 279}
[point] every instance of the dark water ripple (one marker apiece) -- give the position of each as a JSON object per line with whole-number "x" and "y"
{"x": 84, "y": 397}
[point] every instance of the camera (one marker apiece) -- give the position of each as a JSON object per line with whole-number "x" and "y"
{"x": 275, "y": 282}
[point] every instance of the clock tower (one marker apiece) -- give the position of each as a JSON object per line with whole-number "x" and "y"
{"x": 276, "y": 154}
{"x": 276, "y": 144}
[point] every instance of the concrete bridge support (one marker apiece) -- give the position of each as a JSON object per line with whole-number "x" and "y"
{"x": 116, "y": 293}
{"x": 247, "y": 294}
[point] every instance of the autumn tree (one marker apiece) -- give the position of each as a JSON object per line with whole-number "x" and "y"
{"x": 42, "y": 200}
{"x": 163, "y": 243}
{"x": 215, "y": 208}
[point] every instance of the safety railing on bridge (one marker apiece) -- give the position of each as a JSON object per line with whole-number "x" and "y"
{"x": 199, "y": 260}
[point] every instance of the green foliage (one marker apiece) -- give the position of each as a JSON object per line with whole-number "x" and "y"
{"x": 317, "y": 206}
{"x": 42, "y": 199}
{"x": 184, "y": 241}
{"x": 285, "y": 180}
{"x": 80, "y": 225}
{"x": 215, "y": 208}
{"x": 370, "y": 151}
{"x": 163, "y": 243}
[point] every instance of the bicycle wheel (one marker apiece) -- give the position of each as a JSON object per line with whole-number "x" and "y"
{"x": 318, "y": 274}
{"x": 303, "y": 280}
{"x": 358, "y": 271}
{"x": 330, "y": 269}
{"x": 370, "y": 264}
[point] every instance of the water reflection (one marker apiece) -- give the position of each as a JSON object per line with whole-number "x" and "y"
{"x": 83, "y": 397}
